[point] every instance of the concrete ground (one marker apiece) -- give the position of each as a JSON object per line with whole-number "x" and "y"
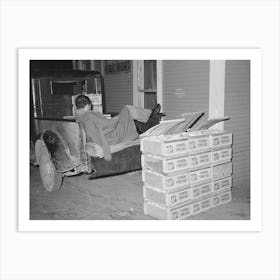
{"x": 113, "y": 198}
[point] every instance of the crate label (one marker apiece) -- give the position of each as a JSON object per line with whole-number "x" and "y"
{"x": 185, "y": 212}
{"x": 199, "y": 144}
{"x": 192, "y": 145}
{"x": 205, "y": 158}
{"x": 176, "y": 164}
{"x": 179, "y": 197}
{"x": 201, "y": 190}
{"x": 203, "y": 143}
{"x": 173, "y": 199}
{"x": 226, "y": 139}
{"x": 225, "y": 197}
{"x": 205, "y": 189}
{"x": 170, "y": 182}
{"x": 198, "y": 160}
{"x": 182, "y": 163}
{"x": 226, "y": 183}
{"x": 205, "y": 204}
{"x": 200, "y": 175}
{"x": 194, "y": 161}
{"x": 182, "y": 179}
{"x": 170, "y": 165}
{"x": 181, "y": 213}
{"x": 176, "y": 148}
{"x": 175, "y": 215}
{"x": 183, "y": 195}
{"x": 169, "y": 149}
{"x": 178, "y": 180}
{"x": 216, "y": 200}
{"x": 196, "y": 192}
{"x": 221, "y": 155}
{"x": 225, "y": 154}
{"x": 216, "y": 141}
{"x": 222, "y": 184}
{"x": 196, "y": 208}
{"x": 221, "y": 140}
{"x": 216, "y": 186}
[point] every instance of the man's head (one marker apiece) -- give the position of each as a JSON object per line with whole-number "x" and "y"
{"x": 83, "y": 102}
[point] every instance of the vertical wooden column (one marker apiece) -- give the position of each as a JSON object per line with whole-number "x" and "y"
{"x": 217, "y": 91}
{"x": 159, "y": 83}
{"x": 138, "y": 83}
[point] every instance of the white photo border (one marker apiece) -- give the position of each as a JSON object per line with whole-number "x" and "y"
{"x": 24, "y": 57}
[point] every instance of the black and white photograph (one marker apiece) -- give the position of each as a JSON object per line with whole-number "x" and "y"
{"x": 140, "y": 139}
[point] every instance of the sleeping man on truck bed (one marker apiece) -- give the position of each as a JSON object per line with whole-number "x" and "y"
{"x": 125, "y": 127}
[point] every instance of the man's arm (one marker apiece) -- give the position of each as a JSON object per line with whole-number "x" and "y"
{"x": 105, "y": 145}
{"x": 95, "y": 133}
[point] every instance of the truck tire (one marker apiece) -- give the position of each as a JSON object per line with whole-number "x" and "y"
{"x": 51, "y": 179}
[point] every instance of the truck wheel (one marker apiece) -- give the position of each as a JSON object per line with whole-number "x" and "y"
{"x": 51, "y": 179}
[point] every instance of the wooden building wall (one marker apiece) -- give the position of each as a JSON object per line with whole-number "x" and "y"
{"x": 237, "y": 106}
{"x": 118, "y": 90}
{"x": 185, "y": 87}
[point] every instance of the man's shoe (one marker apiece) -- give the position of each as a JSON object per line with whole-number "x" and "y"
{"x": 155, "y": 111}
{"x": 142, "y": 127}
{"x": 153, "y": 120}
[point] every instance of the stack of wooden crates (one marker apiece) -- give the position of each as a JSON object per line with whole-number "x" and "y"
{"x": 186, "y": 173}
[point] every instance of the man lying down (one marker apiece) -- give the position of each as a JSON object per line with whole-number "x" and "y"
{"x": 125, "y": 127}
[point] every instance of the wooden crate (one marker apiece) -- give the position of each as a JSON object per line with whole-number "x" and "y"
{"x": 186, "y": 210}
{"x": 201, "y": 176}
{"x": 220, "y": 140}
{"x": 201, "y": 190}
{"x": 222, "y": 170}
{"x": 222, "y": 184}
{"x": 173, "y": 196}
{"x": 170, "y": 165}
{"x": 167, "y": 198}
{"x": 177, "y": 144}
{"x": 163, "y": 213}
{"x": 221, "y": 156}
{"x": 201, "y": 205}
{"x": 221, "y": 198}
{"x": 173, "y": 181}
{"x": 165, "y": 145}
{"x": 165, "y": 182}
{"x": 164, "y": 165}
{"x": 199, "y": 161}
{"x": 198, "y": 142}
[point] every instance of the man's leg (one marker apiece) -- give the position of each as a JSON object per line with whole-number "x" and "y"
{"x": 138, "y": 113}
{"x": 125, "y": 129}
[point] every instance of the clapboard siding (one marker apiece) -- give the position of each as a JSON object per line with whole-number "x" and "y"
{"x": 237, "y": 106}
{"x": 190, "y": 77}
{"x": 118, "y": 90}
